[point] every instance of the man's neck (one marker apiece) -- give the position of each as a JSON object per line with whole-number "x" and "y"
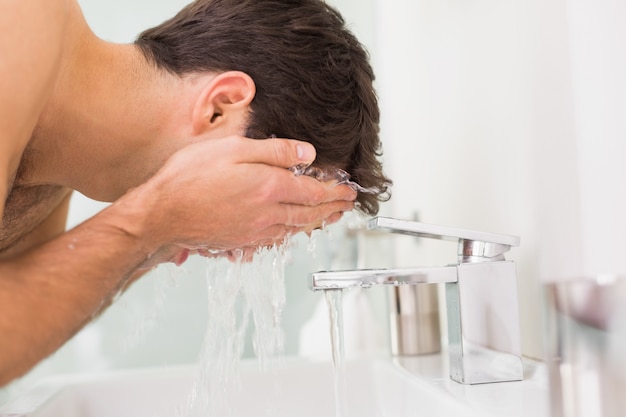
{"x": 105, "y": 128}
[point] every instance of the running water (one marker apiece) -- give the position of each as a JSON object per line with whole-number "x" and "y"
{"x": 241, "y": 294}
{"x": 334, "y": 299}
{"x": 238, "y": 292}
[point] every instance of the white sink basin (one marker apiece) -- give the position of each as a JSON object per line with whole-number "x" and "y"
{"x": 375, "y": 387}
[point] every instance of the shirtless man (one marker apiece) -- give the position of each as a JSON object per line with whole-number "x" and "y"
{"x": 168, "y": 141}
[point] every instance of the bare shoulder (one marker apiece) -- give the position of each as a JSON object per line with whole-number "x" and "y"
{"x": 35, "y": 24}
{"x": 32, "y": 41}
{"x": 31, "y": 47}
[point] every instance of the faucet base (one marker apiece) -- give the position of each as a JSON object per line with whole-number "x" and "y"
{"x": 483, "y": 324}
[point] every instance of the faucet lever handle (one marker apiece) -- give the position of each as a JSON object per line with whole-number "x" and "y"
{"x": 440, "y": 232}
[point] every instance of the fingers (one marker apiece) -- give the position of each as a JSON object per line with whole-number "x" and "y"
{"x": 332, "y": 219}
{"x": 332, "y": 192}
{"x": 307, "y": 191}
{"x": 284, "y": 153}
{"x": 278, "y": 234}
{"x": 299, "y": 219}
{"x": 287, "y": 153}
{"x": 271, "y": 237}
{"x": 304, "y": 217}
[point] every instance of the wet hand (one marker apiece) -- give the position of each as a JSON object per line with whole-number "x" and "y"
{"x": 235, "y": 192}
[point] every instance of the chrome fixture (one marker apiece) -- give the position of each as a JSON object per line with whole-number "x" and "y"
{"x": 481, "y": 298}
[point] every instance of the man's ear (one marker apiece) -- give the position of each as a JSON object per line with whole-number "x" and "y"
{"x": 224, "y": 95}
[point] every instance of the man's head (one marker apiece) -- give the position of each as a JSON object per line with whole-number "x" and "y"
{"x": 312, "y": 77}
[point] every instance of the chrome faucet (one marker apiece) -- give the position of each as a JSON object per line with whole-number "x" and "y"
{"x": 481, "y": 298}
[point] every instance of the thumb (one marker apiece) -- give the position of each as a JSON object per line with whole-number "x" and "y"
{"x": 284, "y": 153}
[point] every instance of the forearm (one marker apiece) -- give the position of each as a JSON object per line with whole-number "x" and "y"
{"x": 50, "y": 292}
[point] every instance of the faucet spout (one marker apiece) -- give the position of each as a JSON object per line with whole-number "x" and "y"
{"x": 366, "y": 278}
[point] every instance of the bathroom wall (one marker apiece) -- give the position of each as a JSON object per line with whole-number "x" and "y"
{"x": 457, "y": 85}
{"x": 598, "y": 64}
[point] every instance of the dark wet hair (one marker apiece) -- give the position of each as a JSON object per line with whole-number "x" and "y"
{"x": 313, "y": 77}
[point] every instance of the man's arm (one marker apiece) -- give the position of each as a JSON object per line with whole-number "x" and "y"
{"x": 216, "y": 194}
{"x": 49, "y": 293}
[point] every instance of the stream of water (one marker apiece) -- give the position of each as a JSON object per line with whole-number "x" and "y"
{"x": 334, "y": 299}
{"x": 239, "y": 294}
{"x": 243, "y": 295}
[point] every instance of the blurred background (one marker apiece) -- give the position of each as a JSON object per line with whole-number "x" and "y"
{"x": 500, "y": 116}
